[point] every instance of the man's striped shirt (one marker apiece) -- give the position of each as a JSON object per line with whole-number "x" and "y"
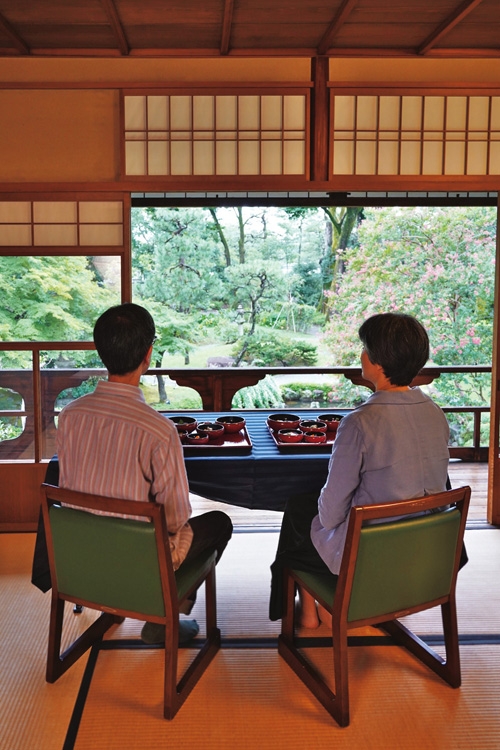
{"x": 111, "y": 442}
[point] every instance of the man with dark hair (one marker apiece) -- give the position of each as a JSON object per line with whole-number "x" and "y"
{"x": 111, "y": 442}
{"x": 392, "y": 447}
{"x": 122, "y": 336}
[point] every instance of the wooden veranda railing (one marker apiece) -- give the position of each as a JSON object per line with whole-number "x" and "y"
{"x": 40, "y": 387}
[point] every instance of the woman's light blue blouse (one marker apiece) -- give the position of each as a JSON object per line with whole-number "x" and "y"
{"x": 392, "y": 447}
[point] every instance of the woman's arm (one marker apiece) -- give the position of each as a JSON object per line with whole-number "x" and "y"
{"x": 344, "y": 475}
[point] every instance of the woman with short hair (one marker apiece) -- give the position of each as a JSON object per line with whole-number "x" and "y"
{"x": 392, "y": 447}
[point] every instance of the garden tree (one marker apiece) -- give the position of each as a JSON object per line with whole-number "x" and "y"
{"x": 301, "y": 250}
{"x": 175, "y": 259}
{"x": 244, "y": 229}
{"x": 222, "y": 235}
{"x": 54, "y": 298}
{"x": 241, "y": 234}
{"x": 269, "y": 234}
{"x": 434, "y": 263}
{"x": 257, "y": 287}
{"x": 173, "y": 335}
{"x": 267, "y": 349}
{"x": 181, "y": 256}
{"x": 266, "y": 394}
{"x": 339, "y": 226}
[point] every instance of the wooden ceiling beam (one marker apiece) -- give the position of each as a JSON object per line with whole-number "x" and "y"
{"x": 227, "y": 21}
{"x": 448, "y": 24}
{"x": 340, "y": 18}
{"x": 116, "y": 24}
{"x": 14, "y": 37}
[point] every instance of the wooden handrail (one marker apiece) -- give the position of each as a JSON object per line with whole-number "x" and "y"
{"x": 217, "y": 386}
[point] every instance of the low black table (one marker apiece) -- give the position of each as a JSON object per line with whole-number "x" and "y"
{"x": 264, "y": 478}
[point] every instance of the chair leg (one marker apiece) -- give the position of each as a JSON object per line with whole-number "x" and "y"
{"x": 170, "y": 699}
{"x": 211, "y": 605}
{"x": 58, "y": 663}
{"x": 341, "y": 673}
{"x": 448, "y": 669}
{"x": 450, "y": 630}
{"x": 176, "y": 694}
{"x": 336, "y": 703}
{"x": 55, "y": 631}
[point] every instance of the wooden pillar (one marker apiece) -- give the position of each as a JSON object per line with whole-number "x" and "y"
{"x": 493, "y": 454}
{"x": 126, "y": 257}
{"x": 320, "y": 120}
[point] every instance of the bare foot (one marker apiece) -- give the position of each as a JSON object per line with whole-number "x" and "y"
{"x": 309, "y": 622}
{"x": 307, "y": 614}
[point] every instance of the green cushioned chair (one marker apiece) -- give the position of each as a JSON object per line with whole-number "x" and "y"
{"x": 390, "y": 568}
{"x": 123, "y": 568}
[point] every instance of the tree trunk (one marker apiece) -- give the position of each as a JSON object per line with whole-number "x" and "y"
{"x": 222, "y": 236}
{"x": 241, "y": 238}
{"x": 162, "y": 393}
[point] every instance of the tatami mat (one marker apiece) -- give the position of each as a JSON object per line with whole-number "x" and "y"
{"x": 243, "y": 580}
{"x": 33, "y": 714}
{"x": 249, "y": 700}
{"x": 248, "y": 697}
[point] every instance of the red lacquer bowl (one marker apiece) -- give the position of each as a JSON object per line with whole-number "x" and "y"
{"x": 194, "y": 438}
{"x": 290, "y": 436}
{"x": 212, "y": 430}
{"x": 312, "y": 424}
{"x": 283, "y": 421}
{"x": 332, "y": 421}
{"x": 231, "y": 423}
{"x": 314, "y": 436}
{"x": 184, "y": 424}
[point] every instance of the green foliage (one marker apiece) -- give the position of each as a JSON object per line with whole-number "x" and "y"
{"x": 270, "y": 350}
{"x": 179, "y": 397}
{"x": 10, "y": 399}
{"x": 265, "y": 395}
{"x": 306, "y": 391}
{"x": 48, "y": 299}
{"x": 436, "y": 264}
{"x": 344, "y": 393}
{"x": 309, "y": 288}
{"x": 10, "y": 428}
{"x": 202, "y": 263}
{"x": 192, "y": 267}
{"x": 294, "y": 317}
{"x": 88, "y": 386}
{"x": 258, "y": 286}
{"x": 215, "y": 324}
{"x": 175, "y": 260}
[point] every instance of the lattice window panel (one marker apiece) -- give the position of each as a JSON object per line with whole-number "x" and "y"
{"x": 220, "y": 134}
{"x": 394, "y": 134}
{"x": 61, "y": 223}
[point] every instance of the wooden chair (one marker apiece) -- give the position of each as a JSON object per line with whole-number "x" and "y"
{"x": 123, "y": 568}
{"x": 389, "y": 569}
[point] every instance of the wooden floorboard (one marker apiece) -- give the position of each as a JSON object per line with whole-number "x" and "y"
{"x": 476, "y": 476}
{"x": 461, "y": 473}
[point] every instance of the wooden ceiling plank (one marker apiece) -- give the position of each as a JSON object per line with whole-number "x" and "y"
{"x": 340, "y": 18}
{"x": 116, "y": 24}
{"x": 448, "y": 24}
{"x": 227, "y": 21}
{"x": 13, "y": 35}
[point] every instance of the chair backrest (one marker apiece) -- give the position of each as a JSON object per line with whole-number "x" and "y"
{"x": 397, "y": 565}
{"x": 117, "y": 562}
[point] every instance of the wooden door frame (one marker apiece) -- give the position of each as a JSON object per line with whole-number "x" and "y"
{"x": 493, "y": 510}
